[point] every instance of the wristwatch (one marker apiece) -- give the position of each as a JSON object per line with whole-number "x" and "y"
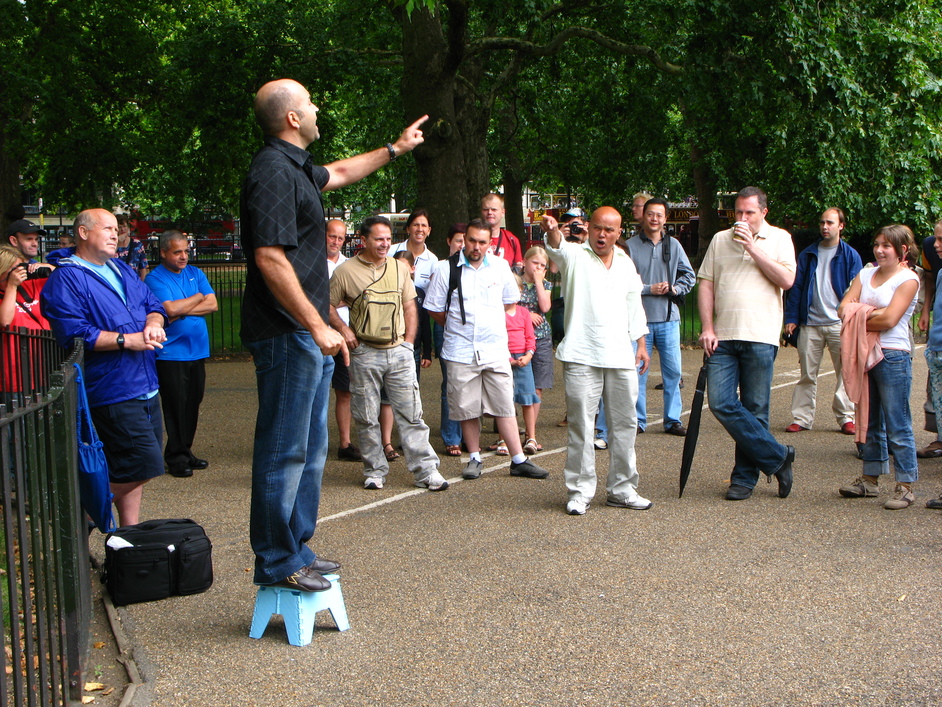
{"x": 120, "y": 342}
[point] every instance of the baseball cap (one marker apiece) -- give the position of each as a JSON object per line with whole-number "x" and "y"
{"x": 25, "y": 227}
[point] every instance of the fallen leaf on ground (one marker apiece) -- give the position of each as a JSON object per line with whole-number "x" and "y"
{"x": 93, "y": 686}
{"x": 99, "y": 644}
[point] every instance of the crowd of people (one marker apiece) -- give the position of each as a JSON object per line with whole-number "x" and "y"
{"x": 368, "y": 325}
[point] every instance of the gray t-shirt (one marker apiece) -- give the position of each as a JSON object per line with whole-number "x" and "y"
{"x": 824, "y": 301}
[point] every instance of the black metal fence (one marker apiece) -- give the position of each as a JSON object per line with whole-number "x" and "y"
{"x": 45, "y": 584}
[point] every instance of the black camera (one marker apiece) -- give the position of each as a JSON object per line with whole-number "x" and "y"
{"x": 575, "y": 228}
{"x": 37, "y": 274}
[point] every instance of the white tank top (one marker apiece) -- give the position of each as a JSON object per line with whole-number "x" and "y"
{"x": 896, "y": 337}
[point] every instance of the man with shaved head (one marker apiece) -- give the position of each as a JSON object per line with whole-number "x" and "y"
{"x": 285, "y": 310}
{"x": 99, "y": 299}
{"x": 601, "y": 353}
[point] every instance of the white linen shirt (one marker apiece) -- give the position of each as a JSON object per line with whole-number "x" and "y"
{"x": 424, "y": 264}
{"x": 344, "y": 311}
{"x": 486, "y": 289}
{"x": 604, "y": 313}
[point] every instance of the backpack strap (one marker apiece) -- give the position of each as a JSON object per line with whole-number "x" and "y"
{"x": 454, "y": 283}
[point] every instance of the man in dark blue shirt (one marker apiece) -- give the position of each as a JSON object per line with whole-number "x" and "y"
{"x": 285, "y": 310}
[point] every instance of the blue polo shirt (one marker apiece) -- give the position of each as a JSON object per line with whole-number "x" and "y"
{"x": 187, "y": 337}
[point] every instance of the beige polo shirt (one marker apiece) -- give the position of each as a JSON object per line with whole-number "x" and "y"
{"x": 356, "y": 274}
{"x": 747, "y": 306}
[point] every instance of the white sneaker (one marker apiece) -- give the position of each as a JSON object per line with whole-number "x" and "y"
{"x": 374, "y": 483}
{"x": 576, "y": 507}
{"x": 632, "y": 501}
{"x": 435, "y": 482}
{"x": 600, "y": 443}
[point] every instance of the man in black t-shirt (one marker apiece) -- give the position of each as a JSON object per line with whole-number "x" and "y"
{"x": 285, "y": 310}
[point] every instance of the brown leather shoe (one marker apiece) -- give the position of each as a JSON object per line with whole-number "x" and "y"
{"x": 795, "y": 427}
{"x": 323, "y": 566}
{"x": 305, "y": 580}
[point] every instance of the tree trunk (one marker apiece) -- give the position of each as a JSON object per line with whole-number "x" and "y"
{"x": 9, "y": 181}
{"x": 705, "y": 182}
{"x": 513, "y": 188}
{"x": 428, "y": 87}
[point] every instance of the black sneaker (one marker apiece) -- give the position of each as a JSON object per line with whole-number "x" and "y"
{"x": 349, "y": 454}
{"x": 528, "y": 469}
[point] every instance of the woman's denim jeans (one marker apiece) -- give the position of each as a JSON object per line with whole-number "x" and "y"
{"x": 890, "y": 428}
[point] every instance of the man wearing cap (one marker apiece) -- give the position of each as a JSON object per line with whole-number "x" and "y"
{"x": 24, "y": 236}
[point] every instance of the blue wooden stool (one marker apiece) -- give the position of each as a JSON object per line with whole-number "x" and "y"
{"x": 299, "y": 610}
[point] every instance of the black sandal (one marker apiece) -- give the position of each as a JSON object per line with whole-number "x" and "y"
{"x": 390, "y": 452}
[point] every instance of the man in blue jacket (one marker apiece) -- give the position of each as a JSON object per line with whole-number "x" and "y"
{"x": 825, "y": 271}
{"x": 93, "y": 297}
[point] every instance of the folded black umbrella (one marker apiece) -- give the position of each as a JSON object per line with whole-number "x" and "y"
{"x": 693, "y": 427}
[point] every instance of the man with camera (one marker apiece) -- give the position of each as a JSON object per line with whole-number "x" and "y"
{"x": 383, "y": 323}
{"x": 667, "y": 276}
{"x": 24, "y": 236}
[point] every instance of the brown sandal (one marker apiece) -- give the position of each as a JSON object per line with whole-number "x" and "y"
{"x": 452, "y": 450}
{"x": 390, "y": 452}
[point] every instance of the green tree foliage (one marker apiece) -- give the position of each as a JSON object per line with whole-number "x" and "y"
{"x": 150, "y": 103}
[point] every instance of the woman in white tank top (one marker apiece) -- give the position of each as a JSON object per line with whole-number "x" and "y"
{"x": 890, "y": 288}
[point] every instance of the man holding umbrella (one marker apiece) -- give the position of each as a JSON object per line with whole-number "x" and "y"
{"x": 742, "y": 277}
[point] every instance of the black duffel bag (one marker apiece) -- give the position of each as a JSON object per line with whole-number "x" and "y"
{"x": 157, "y": 559}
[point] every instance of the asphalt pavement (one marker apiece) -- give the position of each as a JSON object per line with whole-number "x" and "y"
{"x": 489, "y": 594}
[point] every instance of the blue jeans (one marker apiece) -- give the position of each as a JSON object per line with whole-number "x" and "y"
{"x": 290, "y": 450}
{"x": 451, "y": 430}
{"x": 890, "y": 426}
{"x": 666, "y": 337}
{"x": 746, "y": 366}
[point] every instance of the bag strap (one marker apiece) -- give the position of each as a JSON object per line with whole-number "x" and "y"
{"x": 86, "y": 430}
{"x": 454, "y": 283}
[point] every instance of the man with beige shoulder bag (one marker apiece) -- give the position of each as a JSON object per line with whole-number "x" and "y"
{"x": 381, "y": 337}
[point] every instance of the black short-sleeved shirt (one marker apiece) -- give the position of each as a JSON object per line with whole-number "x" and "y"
{"x": 281, "y": 206}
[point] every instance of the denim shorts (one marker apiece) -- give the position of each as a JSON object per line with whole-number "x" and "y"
{"x": 543, "y": 363}
{"x": 131, "y": 433}
{"x": 524, "y": 389}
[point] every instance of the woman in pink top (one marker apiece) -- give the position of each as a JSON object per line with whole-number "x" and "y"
{"x": 891, "y": 288}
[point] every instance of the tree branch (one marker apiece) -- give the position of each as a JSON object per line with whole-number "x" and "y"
{"x": 487, "y": 44}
